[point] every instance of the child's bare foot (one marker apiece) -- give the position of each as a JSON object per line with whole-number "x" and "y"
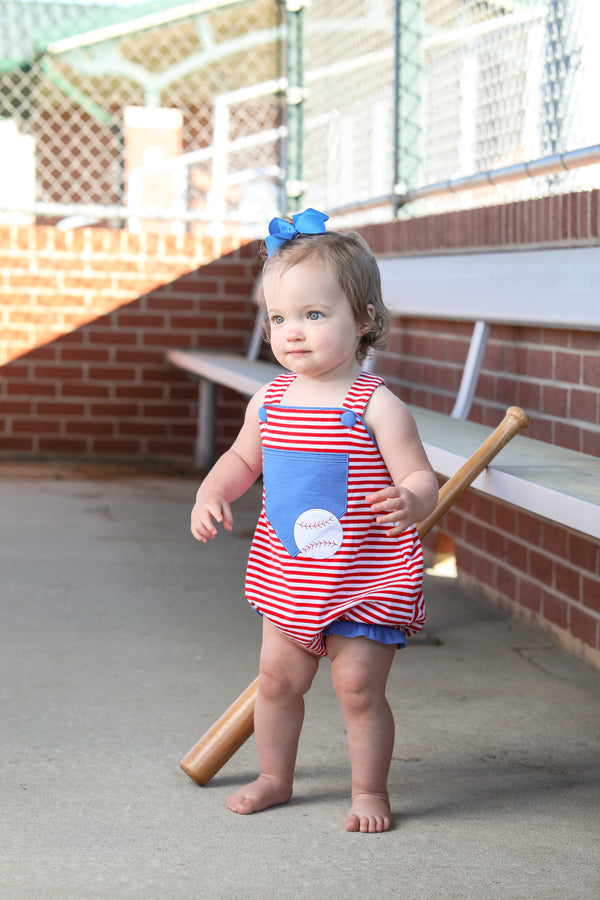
{"x": 370, "y": 813}
{"x": 260, "y": 794}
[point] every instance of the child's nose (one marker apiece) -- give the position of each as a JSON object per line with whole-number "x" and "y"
{"x": 294, "y": 332}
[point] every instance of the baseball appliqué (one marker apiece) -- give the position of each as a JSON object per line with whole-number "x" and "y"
{"x": 318, "y": 533}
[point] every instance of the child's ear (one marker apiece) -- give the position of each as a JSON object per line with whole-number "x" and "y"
{"x": 366, "y": 326}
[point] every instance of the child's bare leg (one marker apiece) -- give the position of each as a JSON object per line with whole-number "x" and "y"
{"x": 286, "y": 674}
{"x": 360, "y": 670}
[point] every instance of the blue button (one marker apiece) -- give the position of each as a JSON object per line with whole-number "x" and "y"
{"x": 349, "y": 419}
{"x": 262, "y": 414}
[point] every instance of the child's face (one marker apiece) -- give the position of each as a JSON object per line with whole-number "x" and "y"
{"x": 313, "y": 328}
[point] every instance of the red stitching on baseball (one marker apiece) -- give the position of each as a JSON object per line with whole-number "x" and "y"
{"x": 321, "y": 524}
{"x": 314, "y": 544}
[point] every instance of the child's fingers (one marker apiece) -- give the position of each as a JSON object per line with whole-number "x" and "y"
{"x": 202, "y": 533}
{"x": 396, "y": 530}
{"x": 227, "y": 518}
{"x": 379, "y": 501}
{"x": 203, "y": 527}
{"x": 397, "y": 521}
{"x": 377, "y": 496}
{"x": 390, "y": 508}
{"x": 384, "y": 502}
{"x": 391, "y": 516}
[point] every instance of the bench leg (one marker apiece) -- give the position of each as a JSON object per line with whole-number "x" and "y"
{"x": 205, "y": 431}
{"x": 470, "y": 377}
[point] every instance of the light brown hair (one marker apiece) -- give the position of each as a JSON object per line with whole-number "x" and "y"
{"x": 349, "y": 257}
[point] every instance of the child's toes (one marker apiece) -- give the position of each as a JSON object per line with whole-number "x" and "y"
{"x": 370, "y": 814}
{"x": 352, "y": 823}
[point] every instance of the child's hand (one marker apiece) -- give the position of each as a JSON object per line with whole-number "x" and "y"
{"x": 394, "y": 506}
{"x": 206, "y": 509}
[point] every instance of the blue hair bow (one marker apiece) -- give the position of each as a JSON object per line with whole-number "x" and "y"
{"x": 311, "y": 221}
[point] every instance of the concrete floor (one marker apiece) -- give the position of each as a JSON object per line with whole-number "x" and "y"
{"x": 122, "y": 641}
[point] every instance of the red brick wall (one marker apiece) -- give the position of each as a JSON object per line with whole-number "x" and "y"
{"x": 553, "y": 373}
{"x": 85, "y": 318}
{"x": 543, "y": 574}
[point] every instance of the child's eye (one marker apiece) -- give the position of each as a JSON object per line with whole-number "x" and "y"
{"x": 276, "y": 320}
{"x": 314, "y": 315}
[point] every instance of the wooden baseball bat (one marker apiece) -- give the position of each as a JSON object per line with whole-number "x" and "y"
{"x": 236, "y": 724}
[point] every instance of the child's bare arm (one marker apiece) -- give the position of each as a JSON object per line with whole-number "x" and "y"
{"x": 230, "y": 477}
{"x": 415, "y": 490}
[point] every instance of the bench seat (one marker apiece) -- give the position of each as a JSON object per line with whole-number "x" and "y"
{"x": 549, "y": 481}
{"x": 553, "y": 482}
{"x": 231, "y": 370}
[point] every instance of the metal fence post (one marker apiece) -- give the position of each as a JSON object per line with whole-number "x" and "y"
{"x": 294, "y": 164}
{"x": 556, "y": 74}
{"x": 408, "y": 51}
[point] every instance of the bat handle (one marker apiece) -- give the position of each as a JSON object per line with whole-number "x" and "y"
{"x": 223, "y": 739}
{"x": 515, "y": 420}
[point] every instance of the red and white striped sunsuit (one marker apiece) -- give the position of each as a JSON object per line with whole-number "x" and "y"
{"x": 318, "y": 464}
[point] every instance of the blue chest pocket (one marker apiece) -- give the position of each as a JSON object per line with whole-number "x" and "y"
{"x": 297, "y": 482}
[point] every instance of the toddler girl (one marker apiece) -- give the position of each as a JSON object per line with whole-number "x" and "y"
{"x": 335, "y": 566}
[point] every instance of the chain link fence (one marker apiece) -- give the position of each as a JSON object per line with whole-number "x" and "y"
{"x": 136, "y": 111}
{"x": 506, "y": 83}
{"x": 185, "y": 115}
{"x": 349, "y": 132}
